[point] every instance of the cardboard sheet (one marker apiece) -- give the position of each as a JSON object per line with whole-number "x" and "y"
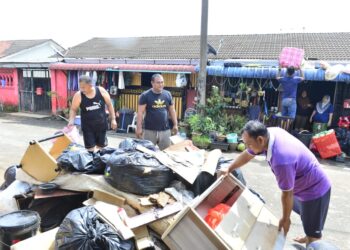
{"x": 188, "y": 173}
{"x": 109, "y": 213}
{"x": 41, "y": 241}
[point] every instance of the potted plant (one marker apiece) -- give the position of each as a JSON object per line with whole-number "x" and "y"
{"x": 201, "y": 141}
{"x": 201, "y": 125}
{"x": 221, "y": 134}
{"x": 195, "y": 124}
{"x": 184, "y": 127}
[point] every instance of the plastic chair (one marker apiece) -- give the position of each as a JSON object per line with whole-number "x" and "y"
{"x": 133, "y": 123}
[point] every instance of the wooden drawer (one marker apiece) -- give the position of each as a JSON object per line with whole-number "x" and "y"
{"x": 247, "y": 225}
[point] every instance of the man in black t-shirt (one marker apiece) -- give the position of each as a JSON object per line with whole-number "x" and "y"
{"x": 158, "y": 104}
{"x": 92, "y": 102}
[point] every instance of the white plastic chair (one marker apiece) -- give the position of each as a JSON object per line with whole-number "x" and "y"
{"x": 133, "y": 123}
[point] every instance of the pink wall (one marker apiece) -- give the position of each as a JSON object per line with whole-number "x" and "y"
{"x": 59, "y": 86}
{"x": 9, "y": 92}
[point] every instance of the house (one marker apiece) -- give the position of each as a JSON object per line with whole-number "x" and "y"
{"x": 250, "y": 58}
{"x": 24, "y": 75}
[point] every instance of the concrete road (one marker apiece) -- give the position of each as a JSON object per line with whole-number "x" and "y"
{"x": 16, "y": 132}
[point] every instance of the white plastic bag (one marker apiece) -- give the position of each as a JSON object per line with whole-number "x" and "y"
{"x": 181, "y": 80}
{"x": 73, "y": 133}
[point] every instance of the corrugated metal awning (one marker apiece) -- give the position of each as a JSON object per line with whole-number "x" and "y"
{"x": 269, "y": 73}
{"x": 125, "y": 67}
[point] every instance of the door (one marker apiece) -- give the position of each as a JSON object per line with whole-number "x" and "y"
{"x": 26, "y": 91}
{"x": 35, "y": 86}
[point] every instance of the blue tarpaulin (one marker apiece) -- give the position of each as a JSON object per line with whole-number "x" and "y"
{"x": 268, "y": 73}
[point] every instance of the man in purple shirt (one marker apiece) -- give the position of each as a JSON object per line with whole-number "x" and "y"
{"x": 305, "y": 186}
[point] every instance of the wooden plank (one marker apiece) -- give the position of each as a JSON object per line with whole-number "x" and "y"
{"x": 163, "y": 199}
{"x": 238, "y": 222}
{"x": 142, "y": 238}
{"x": 192, "y": 233}
{"x": 39, "y": 194}
{"x": 144, "y": 201}
{"x": 108, "y": 198}
{"x": 153, "y": 215}
{"x": 153, "y": 198}
{"x": 264, "y": 234}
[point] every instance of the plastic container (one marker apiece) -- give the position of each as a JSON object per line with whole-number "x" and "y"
{"x": 305, "y": 137}
{"x": 232, "y": 138}
{"x": 77, "y": 120}
{"x": 318, "y": 127}
{"x": 327, "y": 144}
{"x": 17, "y": 226}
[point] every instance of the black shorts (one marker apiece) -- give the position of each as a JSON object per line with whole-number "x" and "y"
{"x": 95, "y": 138}
{"x": 313, "y": 214}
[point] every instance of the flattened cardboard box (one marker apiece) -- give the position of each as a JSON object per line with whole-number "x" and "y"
{"x": 41, "y": 241}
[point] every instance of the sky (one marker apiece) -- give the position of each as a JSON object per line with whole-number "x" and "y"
{"x": 70, "y": 22}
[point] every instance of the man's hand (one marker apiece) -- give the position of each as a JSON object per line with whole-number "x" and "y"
{"x": 329, "y": 124}
{"x": 225, "y": 172}
{"x": 285, "y": 224}
{"x": 139, "y": 133}
{"x": 114, "y": 124}
{"x": 175, "y": 130}
{"x": 70, "y": 124}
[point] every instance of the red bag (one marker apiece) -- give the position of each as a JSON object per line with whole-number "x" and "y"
{"x": 291, "y": 57}
{"x": 344, "y": 122}
{"x": 327, "y": 145}
{"x": 216, "y": 214}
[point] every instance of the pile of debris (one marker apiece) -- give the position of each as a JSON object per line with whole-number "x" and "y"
{"x": 130, "y": 197}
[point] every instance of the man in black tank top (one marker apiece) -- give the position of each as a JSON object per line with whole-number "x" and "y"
{"x": 92, "y": 101}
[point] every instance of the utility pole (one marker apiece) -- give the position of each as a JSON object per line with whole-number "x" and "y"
{"x": 202, "y": 78}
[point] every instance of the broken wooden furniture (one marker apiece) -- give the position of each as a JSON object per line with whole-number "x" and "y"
{"x": 247, "y": 225}
{"x": 40, "y": 164}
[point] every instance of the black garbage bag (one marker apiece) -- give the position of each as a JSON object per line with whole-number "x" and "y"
{"x": 130, "y": 144}
{"x": 77, "y": 159}
{"x": 202, "y": 182}
{"x": 9, "y": 176}
{"x": 205, "y": 180}
{"x": 82, "y": 229}
{"x": 135, "y": 172}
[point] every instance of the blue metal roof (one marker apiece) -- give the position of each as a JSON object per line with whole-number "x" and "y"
{"x": 268, "y": 73}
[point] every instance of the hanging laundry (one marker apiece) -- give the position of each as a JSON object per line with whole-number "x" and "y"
{"x": 121, "y": 83}
{"x": 75, "y": 80}
{"x": 104, "y": 79}
{"x": 99, "y": 79}
{"x": 94, "y": 78}
{"x": 68, "y": 81}
{"x": 110, "y": 79}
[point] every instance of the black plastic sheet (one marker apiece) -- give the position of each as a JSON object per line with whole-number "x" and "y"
{"x": 130, "y": 144}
